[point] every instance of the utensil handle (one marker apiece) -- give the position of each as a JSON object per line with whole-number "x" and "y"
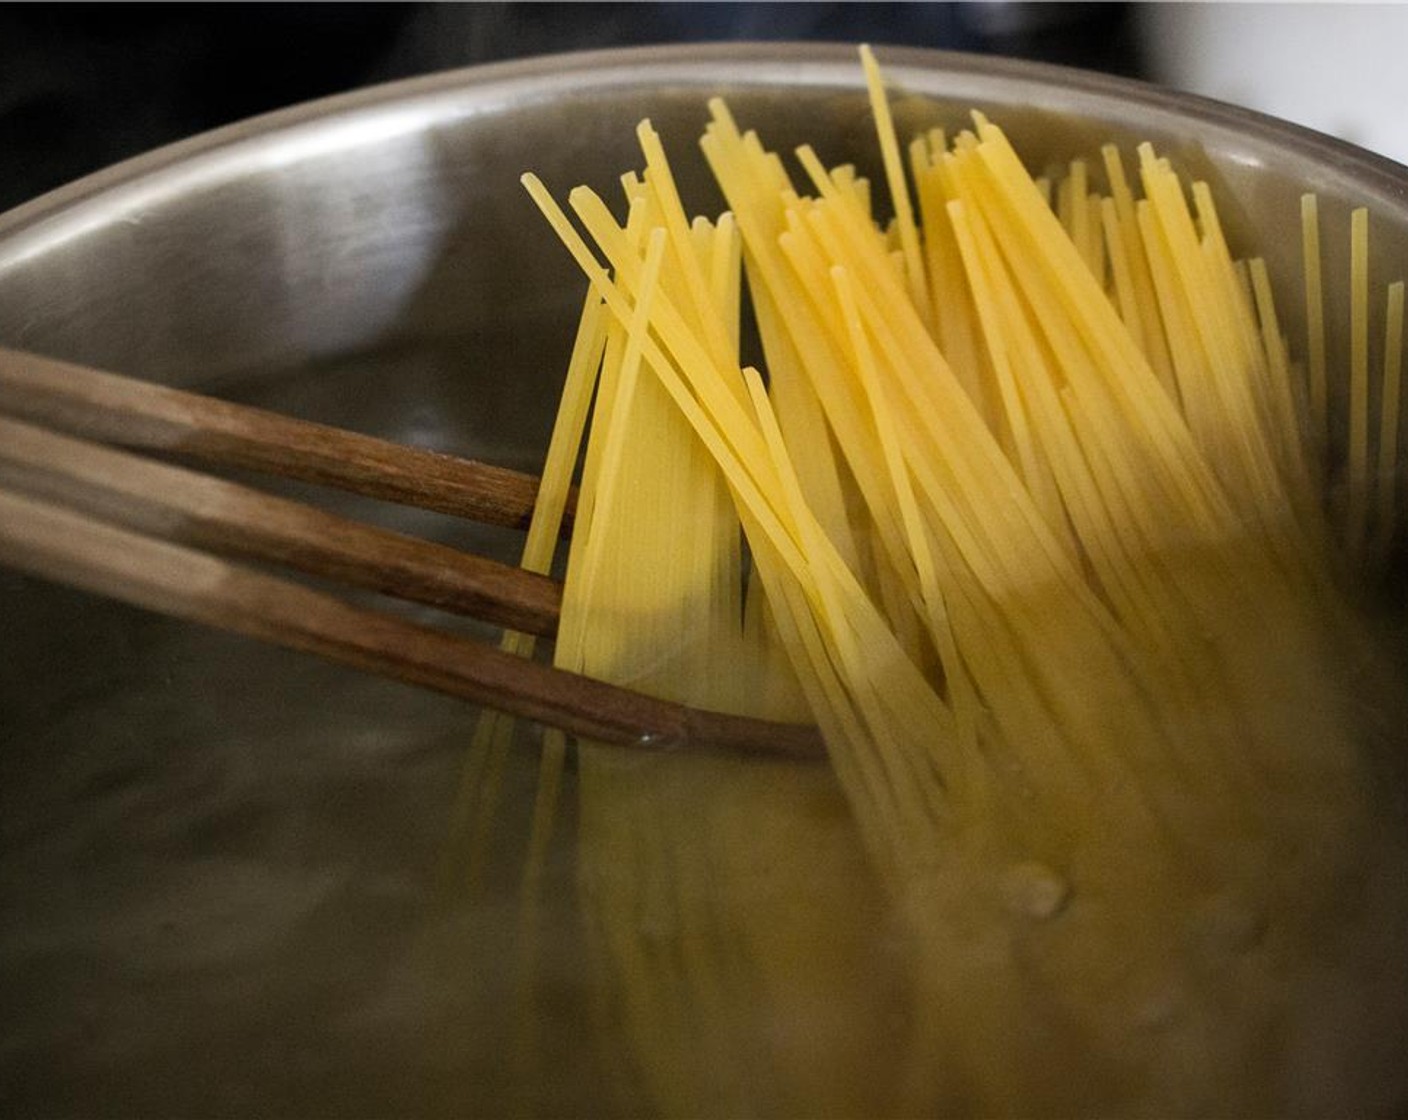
{"x": 121, "y": 410}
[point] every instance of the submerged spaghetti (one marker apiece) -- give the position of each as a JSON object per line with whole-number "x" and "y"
{"x": 1027, "y": 515}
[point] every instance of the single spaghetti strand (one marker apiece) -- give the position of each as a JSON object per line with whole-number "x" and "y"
{"x": 1358, "y": 511}
{"x": 1094, "y": 205}
{"x": 1078, "y": 222}
{"x": 1315, "y": 329}
{"x": 1389, "y": 415}
{"x": 899, "y": 189}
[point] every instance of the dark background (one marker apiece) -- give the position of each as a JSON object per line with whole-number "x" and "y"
{"x": 83, "y": 86}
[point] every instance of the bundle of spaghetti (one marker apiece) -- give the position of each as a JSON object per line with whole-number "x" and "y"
{"x": 1010, "y": 598}
{"x": 727, "y": 903}
{"x": 1038, "y": 533}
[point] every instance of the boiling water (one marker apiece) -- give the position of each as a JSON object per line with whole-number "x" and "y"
{"x": 228, "y": 887}
{"x": 222, "y": 863}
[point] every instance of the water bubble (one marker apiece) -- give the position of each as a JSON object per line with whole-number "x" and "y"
{"x": 1033, "y": 890}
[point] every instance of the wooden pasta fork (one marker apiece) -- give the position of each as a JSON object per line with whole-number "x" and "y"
{"x": 79, "y": 506}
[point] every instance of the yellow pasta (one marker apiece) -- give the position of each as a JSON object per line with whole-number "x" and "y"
{"x": 1358, "y": 512}
{"x": 1389, "y": 412}
{"x": 1315, "y": 323}
{"x": 1033, "y": 535}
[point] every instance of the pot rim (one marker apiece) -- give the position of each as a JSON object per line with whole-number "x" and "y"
{"x": 403, "y": 103}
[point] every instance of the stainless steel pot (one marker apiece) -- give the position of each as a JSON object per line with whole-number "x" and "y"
{"x": 213, "y": 883}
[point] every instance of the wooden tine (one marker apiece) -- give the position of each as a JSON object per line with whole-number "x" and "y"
{"x": 171, "y": 502}
{"x": 73, "y": 548}
{"x": 137, "y": 414}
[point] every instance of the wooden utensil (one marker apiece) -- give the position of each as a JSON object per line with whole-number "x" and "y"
{"x": 163, "y": 537}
